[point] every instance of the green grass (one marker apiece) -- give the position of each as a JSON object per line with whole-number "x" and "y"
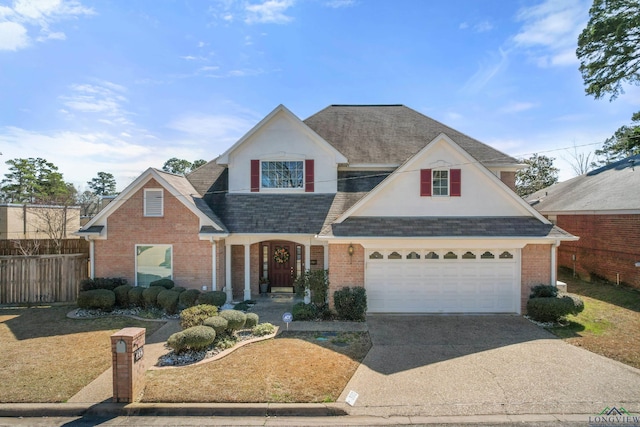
{"x": 590, "y": 321}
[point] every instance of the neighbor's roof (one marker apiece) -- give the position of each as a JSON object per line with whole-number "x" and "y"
{"x": 609, "y": 188}
{"x": 390, "y": 134}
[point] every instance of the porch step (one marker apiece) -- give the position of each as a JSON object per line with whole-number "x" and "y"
{"x": 281, "y": 289}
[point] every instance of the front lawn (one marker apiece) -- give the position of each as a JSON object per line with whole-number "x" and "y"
{"x": 293, "y": 367}
{"x": 47, "y": 357}
{"x": 609, "y": 324}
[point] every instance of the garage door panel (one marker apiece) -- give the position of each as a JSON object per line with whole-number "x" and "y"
{"x": 440, "y": 286}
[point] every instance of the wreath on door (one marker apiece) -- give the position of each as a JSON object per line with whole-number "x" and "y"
{"x": 281, "y": 255}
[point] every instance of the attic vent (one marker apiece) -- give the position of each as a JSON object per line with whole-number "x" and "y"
{"x": 153, "y": 202}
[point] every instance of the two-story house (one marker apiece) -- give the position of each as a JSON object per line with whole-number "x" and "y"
{"x": 421, "y": 215}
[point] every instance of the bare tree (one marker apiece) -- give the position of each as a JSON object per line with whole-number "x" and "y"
{"x": 581, "y": 163}
{"x": 27, "y": 247}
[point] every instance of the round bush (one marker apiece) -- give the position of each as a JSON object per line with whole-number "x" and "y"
{"x": 109, "y": 283}
{"x": 178, "y": 289}
{"x": 168, "y": 301}
{"x": 302, "y": 311}
{"x": 102, "y": 299}
{"x": 351, "y": 304}
{"x": 122, "y": 295}
{"x": 194, "y": 338}
{"x": 217, "y": 298}
{"x": 252, "y": 320}
{"x": 553, "y": 309}
{"x": 196, "y": 315}
{"x": 188, "y": 298}
{"x": 218, "y": 323}
{"x": 544, "y": 291}
{"x": 263, "y": 329}
{"x": 150, "y": 296}
{"x": 235, "y": 318}
{"x": 165, "y": 283}
{"x": 135, "y": 297}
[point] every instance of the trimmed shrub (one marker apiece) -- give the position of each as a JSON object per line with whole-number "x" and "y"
{"x": 135, "y": 296}
{"x": 236, "y": 319}
{"x": 217, "y": 298}
{"x": 263, "y": 329}
{"x": 165, "y": 283}
{"x": 252, "y": 320}
{"x": 109, "y": 283}
{"x": 351, "y": 303}
{"x": 241, "y": 306}
{"x": 553, "y": 309}
{"x": 122, "y": 295}
{"x": 150, "y": 296}
{"x": 194, "y": 338}
{"x": 302, "y": 311}
{"x": 102, "y": 299}
{"x": 218, "y": 323}
{"x": 188, "y": 298}
{"x": 196, "y": 315}
{"x": 178, "y": 289}
{"x": 168, "y": 301}
{"x": 544, "y": 291}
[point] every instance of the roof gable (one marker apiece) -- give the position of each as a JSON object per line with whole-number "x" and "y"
{"x": 176, "y": 185}
{"x": 391, "y": 134}
{"x": 483, "y": 194}
{"x": 282, "y": 110}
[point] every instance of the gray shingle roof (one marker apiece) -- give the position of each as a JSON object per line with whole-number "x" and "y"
{"x": 443, "y": 227}
{"x": 390, "y": 134}
{"x": 612, "y": 187}
{"x": 94, "y": 229}
{"x": 273, "y": 213}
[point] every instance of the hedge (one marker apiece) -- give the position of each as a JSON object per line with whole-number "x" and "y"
{"x": 135, "y": 296}
{"x": 236, "y": 319}
{"x": 122, "y": 295}
{"x": 218, "y": 323}
{"x": 252, "y": 320}
{"x": 194, "y": 338}
{"x": 217, "y": 298}
{"x": 188, "y": 298}
{"x": 102, "y": 299}
{"x": 168, "y": 301}
{"x": 553, "y": 309}
{"x": 351, "y": 303}
{"x": 196, "y": 315}
{"x": 150, "y": 296}
{"x": 165, "y": 283}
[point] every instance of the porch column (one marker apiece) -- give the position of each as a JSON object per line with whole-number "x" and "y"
{"x": 307, "y": 266}
{"x": 553, "y": 265}
{"x": 326, "y": 256}
{"x": 214, "y": 264}
{"x": 228, "y": 286}
{"x": 247, "y": 271}
{"x": 92, "y": 258}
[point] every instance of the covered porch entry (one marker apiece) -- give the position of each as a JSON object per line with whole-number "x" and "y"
{"x": 276, "y": 260}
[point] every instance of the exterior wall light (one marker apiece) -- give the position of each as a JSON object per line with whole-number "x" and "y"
{"x": 351, "y": 250}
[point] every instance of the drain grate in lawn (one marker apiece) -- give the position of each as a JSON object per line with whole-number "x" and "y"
{"x": 294, "y": 367}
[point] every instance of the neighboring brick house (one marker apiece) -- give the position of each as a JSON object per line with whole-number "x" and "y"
{"x": 421, "y": 215}
{"x": 603, "y": 208}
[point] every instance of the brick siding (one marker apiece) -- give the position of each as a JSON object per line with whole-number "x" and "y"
{"x": 609, "y": 247}
{"x": 536, "y": 270}
{"x": 179, "y": 227}
{"x": 317, "y": 254}
{"x": 345, "y": 270}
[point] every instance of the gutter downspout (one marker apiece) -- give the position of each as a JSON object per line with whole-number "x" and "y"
{"x": 554, "y": 262}
{"x": 92, "y": 261}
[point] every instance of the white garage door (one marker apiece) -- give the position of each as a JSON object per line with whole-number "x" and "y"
{"x": 442, "y": 281}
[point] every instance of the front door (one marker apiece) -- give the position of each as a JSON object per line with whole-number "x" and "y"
{"x": 283, "y": 263}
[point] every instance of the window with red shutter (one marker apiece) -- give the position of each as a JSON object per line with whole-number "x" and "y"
{"x": 456, "y": 182}
{"x": 255, "y": 176}
{"x": 425, "y": 182}
{"x": 309, "y": 177}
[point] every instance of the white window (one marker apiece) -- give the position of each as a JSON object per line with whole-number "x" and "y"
{"x": 440, "y": 182}
{"x": 282, "y": 174}
{"x": 153, "y": 262}
{"x": 153, "y": 202}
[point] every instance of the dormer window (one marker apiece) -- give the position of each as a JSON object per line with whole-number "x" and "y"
{"x": 278, "y": 174}
{"x": 440, "y": 182}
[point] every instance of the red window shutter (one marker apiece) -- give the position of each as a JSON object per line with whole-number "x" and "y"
{"x": 456, "y": 182}
{"x": 255, "y": 175}
{"x": 309, "y": 177}
{"x": 425, "y": 182}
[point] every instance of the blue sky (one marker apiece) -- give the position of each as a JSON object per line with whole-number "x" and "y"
{"x": 118, "y": 86}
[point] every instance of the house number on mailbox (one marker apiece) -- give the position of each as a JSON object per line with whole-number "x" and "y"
{"x": 137, "y": 355}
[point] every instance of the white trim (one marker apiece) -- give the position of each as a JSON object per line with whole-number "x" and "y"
{"x": 227, "y": 260}
{"x": 553, "y": 263}
{"x": 224, "y": 157}
{"x": 409, "y": 164}
{"x": 135, "y": 254}
{"x": 594, "y": 212}
{"x": 247, "y": 271}
{"x": 92, "y": 259}
{"x": 214, "y": 265}
{"x": 146, "y": 199}
{"x": 446, "y": 241}
{"x": 368, "y": 166}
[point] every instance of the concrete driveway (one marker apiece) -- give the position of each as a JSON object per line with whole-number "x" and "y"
{"x": 472, "y": 365}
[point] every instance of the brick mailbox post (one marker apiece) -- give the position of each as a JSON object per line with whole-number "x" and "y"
{"x": 127, "y": 350}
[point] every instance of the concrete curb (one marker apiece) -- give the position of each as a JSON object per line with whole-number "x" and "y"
{"x": 173, "y": 409}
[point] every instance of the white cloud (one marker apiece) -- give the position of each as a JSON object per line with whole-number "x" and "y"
{"x": 336, "y": 4}
{"x": 220, "y": 127}
{"x": 17, "y": 21}
{"x": 13, "y": 36}
{"x": 483, "y": 26}
{"x": 268, "y": 12}
{"x": 550, "y": 31}
{"x": 101, "y": 97}
{"x": 486, "y": 72}
{"x": 516, "y": 107}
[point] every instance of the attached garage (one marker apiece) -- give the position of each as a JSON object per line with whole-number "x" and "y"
{"x": 442, "y": 280}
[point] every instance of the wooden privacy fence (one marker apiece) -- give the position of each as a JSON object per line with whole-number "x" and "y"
{"x": 43, "y": 246}
{"x": 41, "y": 278}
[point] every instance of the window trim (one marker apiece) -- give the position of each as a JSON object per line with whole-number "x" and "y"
{"x": 303, "y": 185}
{"x": 145, "y": 212}
{"x": 135, "y": 254}
{"x": 433, "y": 182}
